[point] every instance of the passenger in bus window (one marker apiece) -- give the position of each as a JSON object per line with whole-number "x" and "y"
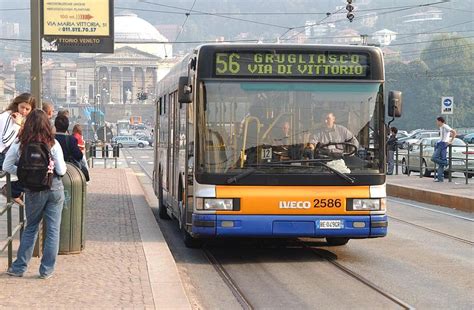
{"x": 334, "y": 133}
{"x": 281, "y": 134}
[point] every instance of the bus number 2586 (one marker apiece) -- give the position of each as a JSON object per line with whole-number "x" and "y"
{"x": 327, "y": 203}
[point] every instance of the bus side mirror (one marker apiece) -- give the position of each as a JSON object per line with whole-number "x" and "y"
{"x": 395, "y": 103}
{"x": 184, "y": 90}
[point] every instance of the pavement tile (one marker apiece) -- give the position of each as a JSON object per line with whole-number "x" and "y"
{"x": 111, "y": 272}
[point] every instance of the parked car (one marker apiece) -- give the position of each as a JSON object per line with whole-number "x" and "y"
{"x": 139, "y": 127}
{"x": 129, "y": 141}
{"x": 414, "y": 137}
{"x": 144, "y": 137}
{"x": 401, "y": 135}
{"x": 458, "y": 159}
{"x": 469, "y": 138}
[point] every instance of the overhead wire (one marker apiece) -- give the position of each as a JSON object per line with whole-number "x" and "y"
{"x": 213, "y": 14}
{"x": 185, "y": 20}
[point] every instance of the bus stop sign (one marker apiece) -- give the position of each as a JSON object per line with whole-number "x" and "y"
{"x": 447, "y": 105}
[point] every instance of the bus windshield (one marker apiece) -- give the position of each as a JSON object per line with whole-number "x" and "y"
{"x": 278, "y": 127}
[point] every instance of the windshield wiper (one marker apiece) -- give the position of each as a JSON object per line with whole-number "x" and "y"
{"x": 242, "y": 175}
{"x": 315, "y": 161}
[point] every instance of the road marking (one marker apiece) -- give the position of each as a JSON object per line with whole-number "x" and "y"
{"x": 133, "y": 162}
{"x": 129, "y": 157}
{"x": 150, "y": 163}
{"x": 431, "y": 210}
{"x": 145, "y": 156}
{"x": 140, "y": 174}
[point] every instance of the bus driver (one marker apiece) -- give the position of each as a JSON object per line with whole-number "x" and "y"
{"x": 334, "y": 133}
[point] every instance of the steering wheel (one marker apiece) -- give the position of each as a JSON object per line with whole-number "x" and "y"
{"x": 325, "y": 147}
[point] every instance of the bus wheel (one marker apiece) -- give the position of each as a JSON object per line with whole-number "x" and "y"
{"x": 161, "y": 206}
{"x": 337, "y": 241}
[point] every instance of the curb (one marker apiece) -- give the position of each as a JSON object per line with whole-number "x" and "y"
{"x": 461, "y": 203}
{"x": 166, "y": 285}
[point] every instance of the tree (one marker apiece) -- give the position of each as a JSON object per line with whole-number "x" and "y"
{"x": 445, "y": 68}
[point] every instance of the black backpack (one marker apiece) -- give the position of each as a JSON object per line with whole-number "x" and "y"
{"x": 33, "y": 167}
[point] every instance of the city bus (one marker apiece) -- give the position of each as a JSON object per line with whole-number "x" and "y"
{"x": 135, "y": 120}
{"x": 261, "y": 140}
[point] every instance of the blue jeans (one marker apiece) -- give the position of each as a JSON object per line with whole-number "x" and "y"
{"x": 390, "y": 161}
{"x": 47, "y": 204}
{"x": 439, "y": 158}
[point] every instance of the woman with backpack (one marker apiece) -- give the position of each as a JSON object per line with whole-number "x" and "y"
{"x": 37, "y": 159}
{"x": 11, "y": 121}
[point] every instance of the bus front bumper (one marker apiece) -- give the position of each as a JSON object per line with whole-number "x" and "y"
{"x": 360, "y": 226}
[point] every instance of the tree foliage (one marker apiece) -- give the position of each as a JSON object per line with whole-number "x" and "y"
{"x": 445, "y": 68}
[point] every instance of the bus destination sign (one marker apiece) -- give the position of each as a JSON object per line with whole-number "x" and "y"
{"x": 291, "y": 65}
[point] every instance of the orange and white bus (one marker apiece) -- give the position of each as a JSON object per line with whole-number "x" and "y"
{"x": 135, "y": 120}
{"x": 262, "y": 140}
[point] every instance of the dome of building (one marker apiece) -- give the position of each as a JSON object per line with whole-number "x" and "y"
{"x": 131, "y": 28}
{"x": 133, "y": 31}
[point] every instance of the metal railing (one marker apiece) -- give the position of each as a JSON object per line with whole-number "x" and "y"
{"x": 7, "y": 244}
{"x": 103, "y": 152}
{"x": 417, "y": 157}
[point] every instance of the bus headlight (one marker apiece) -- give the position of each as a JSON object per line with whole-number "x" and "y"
{"x": 363, "y": 204}
{"x": 218, "y": 204}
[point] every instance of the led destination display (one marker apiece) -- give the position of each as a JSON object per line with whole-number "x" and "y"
{"x": 291, "y": 65}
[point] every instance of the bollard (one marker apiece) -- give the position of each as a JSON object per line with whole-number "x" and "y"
{"x": 408, "y": 161}
{"x": 396, "y": 159}
{"x": 450, "y": 162}
{"x": 116, "y": 151}
{"x": 421, "y": 159}
{"x": 466, "y": 174}
{"x": 92, "y": 151}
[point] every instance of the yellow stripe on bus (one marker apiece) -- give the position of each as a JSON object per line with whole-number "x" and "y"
{"x": 296, "y": 200}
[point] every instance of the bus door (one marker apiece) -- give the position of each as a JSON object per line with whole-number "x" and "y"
{"x": 169, "y": 175}
{"x": 176, "y": 170}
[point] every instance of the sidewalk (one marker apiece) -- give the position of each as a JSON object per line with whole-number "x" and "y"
{"x": 126, "y": 262}
{"x": 455, "y": 194}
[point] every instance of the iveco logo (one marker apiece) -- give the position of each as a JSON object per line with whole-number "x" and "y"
{"x": 295, "y": 204}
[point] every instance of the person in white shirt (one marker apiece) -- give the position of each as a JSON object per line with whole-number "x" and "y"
{"x": 334, "y": 133}
{"x": 47, "y": 204}
{"x": 447, "y": 135}
{"x": 12, "y": 119}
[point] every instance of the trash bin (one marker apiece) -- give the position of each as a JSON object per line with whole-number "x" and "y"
{"x": 72, "y": 234}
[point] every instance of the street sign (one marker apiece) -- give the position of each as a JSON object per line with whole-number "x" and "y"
{"x": 77, "y": 26}
{"x": 447, "y": 105}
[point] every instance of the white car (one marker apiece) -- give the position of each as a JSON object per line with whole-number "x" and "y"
{"x": 130, "y": 141}
{"x": 458, "y": 159}
{"x": 404, "y": 142}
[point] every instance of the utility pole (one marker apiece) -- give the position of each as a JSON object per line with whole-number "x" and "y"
{"x": 36, "y": 66}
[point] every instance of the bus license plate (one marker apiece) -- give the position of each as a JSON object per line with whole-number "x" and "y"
{"x": 330, "y": 224}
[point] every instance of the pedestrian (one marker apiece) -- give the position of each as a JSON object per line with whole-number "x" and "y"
{"x": 11, "y": 122}
{"x": 446, "y": 135}
{"x": 392, "y": 144}
{"x": 48, "y": 108}
{"x": 68, "y": 143}
{"x": 72, "y": 152}
{"x": 77, "y": 133}
{"x": 47, "y": 203}
{"x": 12, "y": 119}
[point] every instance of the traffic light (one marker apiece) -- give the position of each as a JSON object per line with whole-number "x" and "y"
{"x": 350, "y": 8}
